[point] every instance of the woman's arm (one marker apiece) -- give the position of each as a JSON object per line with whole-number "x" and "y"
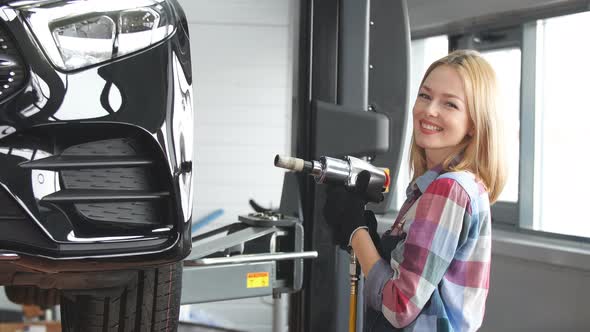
{"x": 365, "y": 250}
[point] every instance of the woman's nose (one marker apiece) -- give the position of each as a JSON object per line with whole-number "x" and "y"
{"x": 430, "y": 109}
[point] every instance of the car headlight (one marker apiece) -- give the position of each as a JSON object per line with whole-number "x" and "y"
{"x": 76, "y": 34}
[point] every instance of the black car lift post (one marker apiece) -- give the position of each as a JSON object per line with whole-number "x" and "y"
{"x": 350, "y": 98}
{"x": 354, "y": 67}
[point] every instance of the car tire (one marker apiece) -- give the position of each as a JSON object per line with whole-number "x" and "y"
{"x": 149, "y": 302}
{"x": 32, "y": 295}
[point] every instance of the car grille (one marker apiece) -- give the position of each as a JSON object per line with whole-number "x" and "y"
{"x": 108, "y": 184}
{"x": 12, "y": 67}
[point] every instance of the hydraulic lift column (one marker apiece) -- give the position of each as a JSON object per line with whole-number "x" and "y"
{"x": 351, "y": 99}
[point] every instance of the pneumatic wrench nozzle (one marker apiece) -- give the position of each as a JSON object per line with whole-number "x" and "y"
{"x": 339, "y": 171}
{"x": 293, "y": 164}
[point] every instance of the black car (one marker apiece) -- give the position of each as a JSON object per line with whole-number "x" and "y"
{"x": 96, "y": 159}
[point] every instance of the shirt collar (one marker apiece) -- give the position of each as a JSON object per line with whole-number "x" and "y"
{"x": 424, "y": 180}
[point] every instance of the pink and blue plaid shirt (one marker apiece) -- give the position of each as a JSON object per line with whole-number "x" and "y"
{"x": 438, "y": 275}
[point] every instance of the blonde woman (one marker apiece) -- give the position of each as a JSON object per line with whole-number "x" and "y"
{"x": 430, "y": 271}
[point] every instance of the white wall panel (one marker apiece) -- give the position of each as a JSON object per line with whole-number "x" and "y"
{"x": 242, "y": 98}
{"x": 241, "y": 44}
{"x": 241, "y": 57}
{"x": 242, "y": 115}
{"x": 244, "y": 12}
{"x": 253, "y": 96}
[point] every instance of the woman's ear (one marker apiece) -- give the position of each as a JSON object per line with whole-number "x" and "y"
{"x": 471, "y": 132}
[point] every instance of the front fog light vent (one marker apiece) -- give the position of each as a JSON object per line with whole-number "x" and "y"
{"x": 110, "y": 183}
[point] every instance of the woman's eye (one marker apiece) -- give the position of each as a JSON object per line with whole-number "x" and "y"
{"x": 424, "y": 96}
{"x": 452, "y": 105}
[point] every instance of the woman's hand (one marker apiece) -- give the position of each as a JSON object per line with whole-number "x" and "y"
{"x": 345, "y": 213}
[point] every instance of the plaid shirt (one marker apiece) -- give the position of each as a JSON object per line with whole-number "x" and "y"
{"x": 437, "y": 278}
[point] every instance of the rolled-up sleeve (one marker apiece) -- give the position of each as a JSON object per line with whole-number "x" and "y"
{"x": 379, "y": 275}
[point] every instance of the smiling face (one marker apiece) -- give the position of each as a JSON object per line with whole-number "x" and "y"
{"x": 441, "y": 117}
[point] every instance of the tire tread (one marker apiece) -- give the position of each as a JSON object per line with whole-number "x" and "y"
{"x": 149, "y": 302}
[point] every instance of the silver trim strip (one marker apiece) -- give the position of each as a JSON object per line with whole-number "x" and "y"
{"x": 9, "y": 256}
{"x": 279, "y": 256}
{"x": 110, "y": 256}
{"x": 72, "y": 237}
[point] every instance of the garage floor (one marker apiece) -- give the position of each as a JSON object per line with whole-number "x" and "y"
{"x": 193, "y": 327}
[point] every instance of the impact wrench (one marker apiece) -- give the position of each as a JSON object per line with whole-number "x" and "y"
{"x": 337, "y": 171}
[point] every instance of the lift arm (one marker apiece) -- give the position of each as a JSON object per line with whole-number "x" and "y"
{"x": 261, "y": 255}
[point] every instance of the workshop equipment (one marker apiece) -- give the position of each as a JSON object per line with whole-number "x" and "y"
{"x": 260, "y": 255}
{"x": 338, "y": 171}
{"x": 342, "y": 172}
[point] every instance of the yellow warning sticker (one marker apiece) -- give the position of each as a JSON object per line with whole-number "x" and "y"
{"x": 257, "y": 279}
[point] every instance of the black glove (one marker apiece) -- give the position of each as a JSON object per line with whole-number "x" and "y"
{"x": 345, "y": 210}
{"x": 372, "y": 225}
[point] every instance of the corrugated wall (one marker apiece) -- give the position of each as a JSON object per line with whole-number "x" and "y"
{"x": 241, "y": 56}
{"x": 241, "y": 65}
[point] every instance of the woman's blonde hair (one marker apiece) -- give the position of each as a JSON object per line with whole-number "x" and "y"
{"x": 483, "y": 152}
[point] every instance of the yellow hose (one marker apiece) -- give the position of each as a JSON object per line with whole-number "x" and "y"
{"x": 353, "y": 283}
